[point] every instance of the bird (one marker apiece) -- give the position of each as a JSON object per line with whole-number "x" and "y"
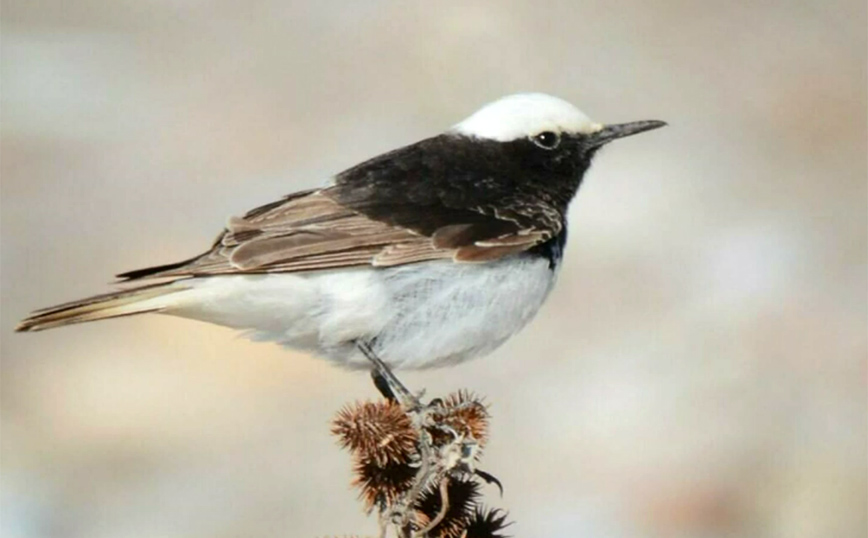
{"x": 425, "y": 256}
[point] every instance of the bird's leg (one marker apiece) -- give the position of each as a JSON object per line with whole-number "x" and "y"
{"x": 386, "y": 382}
{"x": 383, "y": 385}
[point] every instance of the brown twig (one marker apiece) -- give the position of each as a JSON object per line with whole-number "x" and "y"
{"x": 444, "y": 507}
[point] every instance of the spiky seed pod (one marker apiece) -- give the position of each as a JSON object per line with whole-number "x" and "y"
{"x": 467, "y": 414}
{"x": 376, "y": 431}
{"x": 486, "y": 523}
{"x": 381, "y": 485}
{"x": 385, "y": 445}
{"x": 462, "y": 494}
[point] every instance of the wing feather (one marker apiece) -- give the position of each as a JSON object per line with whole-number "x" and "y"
{"x": 312, "y": 231}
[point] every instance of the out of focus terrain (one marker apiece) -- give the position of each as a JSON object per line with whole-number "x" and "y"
{"x": 701, "y": 371}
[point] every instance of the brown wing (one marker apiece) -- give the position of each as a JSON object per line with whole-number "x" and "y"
{"x": 310, "y": 231}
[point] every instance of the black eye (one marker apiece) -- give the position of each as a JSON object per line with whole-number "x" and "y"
{"x": 547, "y": 140}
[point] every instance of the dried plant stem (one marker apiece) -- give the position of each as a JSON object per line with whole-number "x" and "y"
{"x": 403, "y": 508}
{"x": 444, "y": 508}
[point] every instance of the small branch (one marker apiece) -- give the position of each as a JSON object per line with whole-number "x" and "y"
{"x": 444, "y": 501}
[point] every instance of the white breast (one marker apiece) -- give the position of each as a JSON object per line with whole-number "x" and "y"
{"x": 416, "y": 316}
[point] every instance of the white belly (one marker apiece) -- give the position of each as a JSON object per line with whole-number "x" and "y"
{"x": 414, "y": 316}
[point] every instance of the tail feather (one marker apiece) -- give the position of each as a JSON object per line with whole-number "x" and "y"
{"x": 109, "y": 305}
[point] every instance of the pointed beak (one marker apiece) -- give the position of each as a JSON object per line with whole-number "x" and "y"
{"x": 620, "y": 130}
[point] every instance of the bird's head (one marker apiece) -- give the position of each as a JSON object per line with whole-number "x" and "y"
{"x": 546, "y": 131}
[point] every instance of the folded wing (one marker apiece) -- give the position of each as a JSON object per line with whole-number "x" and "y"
{"x": 312, "y": 231}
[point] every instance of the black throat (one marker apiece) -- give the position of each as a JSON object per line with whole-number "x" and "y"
{"x": 552, "y": 250}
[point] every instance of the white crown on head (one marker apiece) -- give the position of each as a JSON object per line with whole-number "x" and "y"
{"x": 523, "y": 115}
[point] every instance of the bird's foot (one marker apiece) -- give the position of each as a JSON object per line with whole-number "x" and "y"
{"x": 387, "y": 383}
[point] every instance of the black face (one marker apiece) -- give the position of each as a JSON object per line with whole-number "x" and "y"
{"x": 451, "y": 179}
{"x": 565, "y": 156}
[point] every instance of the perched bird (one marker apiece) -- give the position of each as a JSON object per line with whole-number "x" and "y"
{"x": 427, "y": 255}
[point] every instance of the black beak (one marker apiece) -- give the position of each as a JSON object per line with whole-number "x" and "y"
{"x": 620, "y": 130}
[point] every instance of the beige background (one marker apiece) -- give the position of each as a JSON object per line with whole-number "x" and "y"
{"x": 700, "y": 372}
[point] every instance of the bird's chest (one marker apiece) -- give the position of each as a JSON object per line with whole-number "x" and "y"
{"x": 436, "y": 313}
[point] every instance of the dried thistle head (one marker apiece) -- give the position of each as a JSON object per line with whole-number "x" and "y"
{"x": 486, "y": 523}
{"x": 462, "y": 495}
{"x": 466, "y": 413}
{"x": 415, "y": 465}
{"x": 380, "y": 432}
{"x": 382, "y": 485}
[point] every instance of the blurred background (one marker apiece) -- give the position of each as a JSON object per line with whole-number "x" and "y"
{"x": 700, "y": 372}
